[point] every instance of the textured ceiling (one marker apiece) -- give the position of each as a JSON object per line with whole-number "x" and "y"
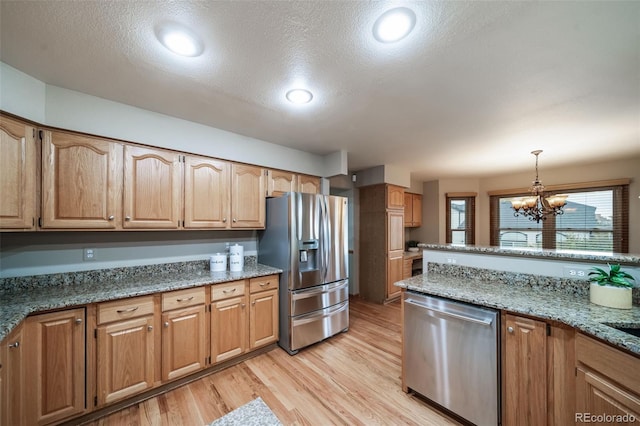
{"x": 470, "y": 92}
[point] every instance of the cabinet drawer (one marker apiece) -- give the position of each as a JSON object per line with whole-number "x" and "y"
{"x": 226, "y": 290}
{"x": 125, "y": 309}
{"x": 182, "y": 298}
{"x": 263, "y": 283}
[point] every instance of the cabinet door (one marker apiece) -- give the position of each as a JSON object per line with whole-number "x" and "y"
{"x": 228, "y": 328}
{"x": 207, "y": 201}
{"x": 309, "y": 184}
{"x": 12, "y": 386}
{"x": 183, "y": 342}
{"x": 263, "y": 318}
{"x": 280, "y": 183}
{"x": 395, "y": 197}
{"x": 152, "y": 188}
{"x": 395, "y": 231}
{"x": 125, "y": 358}
{"x": 597, "y": 395}
{"x": 394, "y": 273}
{"x": 408, "y": 209}
{"x": 524, "y": 371}
{"x": 54, "y": 366}
{"x": 81, "y": 182}
{"x": 247, "y": 196}
{"x": 416, "y": 206}
{"x": 17, "y": 175}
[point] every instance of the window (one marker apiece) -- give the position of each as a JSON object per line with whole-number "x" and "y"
{"x": 461, "y": 218}
{"x": 595, "y": 219}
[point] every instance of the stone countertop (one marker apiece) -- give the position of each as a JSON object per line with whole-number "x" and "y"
{"x": 585, "y": 256}
{"x": 550, "y": 304}
{"x": 16, "y": 303}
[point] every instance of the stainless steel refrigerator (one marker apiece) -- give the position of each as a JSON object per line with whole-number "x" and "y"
{"x": 306, "y": 237}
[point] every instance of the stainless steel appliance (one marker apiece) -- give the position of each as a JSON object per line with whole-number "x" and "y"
{"x": 306, "y": 237}
{"x": 451, "y": 355}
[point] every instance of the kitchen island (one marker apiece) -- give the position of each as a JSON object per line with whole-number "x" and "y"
{"x": 559, "y": 355}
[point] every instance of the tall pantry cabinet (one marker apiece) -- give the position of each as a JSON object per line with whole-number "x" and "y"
{"x": 381, "y": 241}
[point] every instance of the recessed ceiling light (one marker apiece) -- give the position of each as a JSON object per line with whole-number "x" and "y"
{"x": 180, "y": 41}
{"x": 394, "y": 25}
{"x": 299, "y": 96}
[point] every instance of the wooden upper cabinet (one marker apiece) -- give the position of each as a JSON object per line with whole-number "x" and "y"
{"x": 247, "y": 196}
{"x": 412, "y": 210}
{"x": 17, "y": 175}
{"x": 81, "y": 182}
{"x": 207, "y": 202}
{"x": 308, "y": 184}
{"x": 279, "y": 183}
{"x": 395, "y": 197}
{"x": 152, "y": 188}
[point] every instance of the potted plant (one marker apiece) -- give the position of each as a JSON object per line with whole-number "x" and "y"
{"x": 612, "y": 289}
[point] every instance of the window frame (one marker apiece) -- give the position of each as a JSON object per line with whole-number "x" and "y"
{"x": 470, "y": 215}
{"x": 620, "y": 188}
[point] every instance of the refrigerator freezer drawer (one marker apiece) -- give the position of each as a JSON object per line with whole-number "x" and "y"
{"x": 319, "y": 297}
{"x": 316, "y": 326}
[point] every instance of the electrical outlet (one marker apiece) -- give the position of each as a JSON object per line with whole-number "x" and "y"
{"x": 451, "y": 260}
{"x": 89, "y": 254}
{"x": 577, "y": 271}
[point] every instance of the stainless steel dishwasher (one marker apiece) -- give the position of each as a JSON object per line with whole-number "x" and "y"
{"x": 451, "y": 355}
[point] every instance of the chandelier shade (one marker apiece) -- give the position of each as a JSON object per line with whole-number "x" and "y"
{"x": 538, "y": 206}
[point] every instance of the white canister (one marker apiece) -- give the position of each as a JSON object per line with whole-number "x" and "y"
{"x": 236, "y": 258}
{"x": 218, "y": 262}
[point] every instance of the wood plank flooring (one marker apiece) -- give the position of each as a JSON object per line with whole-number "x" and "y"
{"x": 350, "y": 379}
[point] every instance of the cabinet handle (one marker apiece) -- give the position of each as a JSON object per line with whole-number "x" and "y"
{"x": 185, "y": 299}
{"x": 253, "y": 303}
{"x": 264, "y": 284}
{"x": 243, "y": 305}
{"x": 166, "y": 325}
{"x": 224, "y": 220}
{"x": 127, "y": 218}
{"x": 112, "y": 217}
{"x": 234, "y": 221}
{"x": 229, "y": 291}
{"x": 78, "y": 320}
{"x": 150, "y": 328}
{"x": 123, "y": 311}
{"x": 510, "y": 330}
{"x": 14, "y": 345}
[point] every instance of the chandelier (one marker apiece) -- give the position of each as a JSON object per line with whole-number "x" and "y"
{"x": 538, "y": 206}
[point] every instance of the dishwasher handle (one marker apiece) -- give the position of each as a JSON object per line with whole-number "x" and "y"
{"x": 487, "y": 321}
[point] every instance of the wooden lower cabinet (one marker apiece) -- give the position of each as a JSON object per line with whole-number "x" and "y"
{"x": 524, "y": 370}
{"x": 228, "y": 328}
{"x": 263, "y": 318}
{"x": 54, "y": 366}
{"x": 607, "y": 384}
{"x": 538, "y": 379}
{"x": 183, "y": 342}
{"x": 395, "y": 266}
{"x": 126, "y": 356}
{"x": 12, "y": 384}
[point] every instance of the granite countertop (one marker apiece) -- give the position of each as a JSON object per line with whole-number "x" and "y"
{"x": 18, "y": 301}
{"x": 623, "y": 259}
{"x": 551, "y": 304}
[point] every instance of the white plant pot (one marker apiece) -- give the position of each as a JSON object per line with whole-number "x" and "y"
{"x": 612, "y": 297}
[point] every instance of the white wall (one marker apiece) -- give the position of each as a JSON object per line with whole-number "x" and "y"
{"x": 21, "y": 94}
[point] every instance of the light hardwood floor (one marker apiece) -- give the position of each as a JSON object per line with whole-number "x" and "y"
{"x": 350, "y": 379}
